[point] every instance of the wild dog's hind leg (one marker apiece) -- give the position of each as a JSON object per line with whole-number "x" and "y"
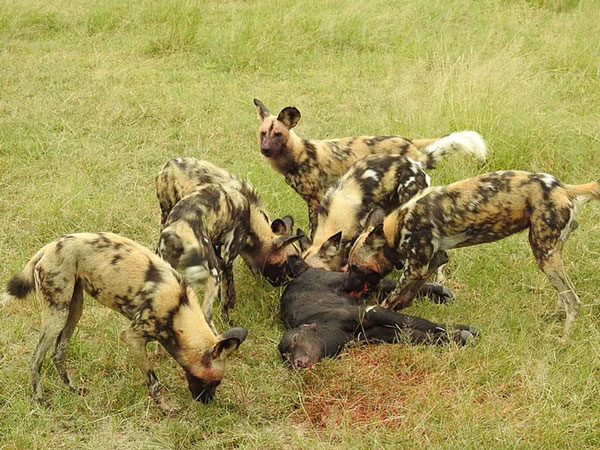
{"x": 60, "y": 349}
{"x": 55, "y": 298}
{"x": 555, "y": 271}
{"x": 547, "y": 240}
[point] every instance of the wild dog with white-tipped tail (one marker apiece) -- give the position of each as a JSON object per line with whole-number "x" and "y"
{"x": 311, "y": 166}
{"x": 130, "y": 279}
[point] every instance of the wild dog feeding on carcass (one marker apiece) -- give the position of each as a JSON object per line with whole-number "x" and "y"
{"x": 211, "y": 216}
{"x": 322, "y": 317}
{"x": 135, "y": 282}
{"x": 267, "y": 251}
{"x": 482, "y": 209}
{"x": 310, "y": 166}
{"x": 387, "y": 181}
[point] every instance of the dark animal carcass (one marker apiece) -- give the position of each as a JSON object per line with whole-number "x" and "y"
{"x": 322, "y": 317}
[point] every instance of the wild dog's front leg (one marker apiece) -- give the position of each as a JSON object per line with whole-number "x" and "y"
{"x": 421, "y": 264}
{"x": 136, "y": 344}
{"x": 211, "y": 292}
{"x": 228, "y": 294}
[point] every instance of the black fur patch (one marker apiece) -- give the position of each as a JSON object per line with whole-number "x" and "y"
{"x": 153, "y": 274}
{"x": 18, "y": 286}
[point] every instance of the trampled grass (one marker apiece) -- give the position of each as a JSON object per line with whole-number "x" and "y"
{"x": 96, "y": 96}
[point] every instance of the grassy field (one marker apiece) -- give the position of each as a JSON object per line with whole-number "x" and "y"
{"x": 96, "y": 96}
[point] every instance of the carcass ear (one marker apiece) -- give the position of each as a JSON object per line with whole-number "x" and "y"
{"x": 376, "y": 238}
{"x": 304, "y": 241}
{"x": 374, "y": 218}
{"x": 228, "y": 343}
{"x": 262, "y": 110}
{"x": 289, "y": 116}
{"x": 332, "y": 245}
{"x": 282, "y": 241}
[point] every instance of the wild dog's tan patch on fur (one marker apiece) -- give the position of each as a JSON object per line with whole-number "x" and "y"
{"x": 265, "y": 252}
{"x": 311, "y": 166}
{"x": 127, "y": 278}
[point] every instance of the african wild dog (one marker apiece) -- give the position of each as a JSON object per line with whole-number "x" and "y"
{"x": 321, "y": 317}
{"x": 311, "y": 166}
{"x": 132, "y": 280}
{"x": 482, "y": 209}
{"x": 267, "y": 251}
{"x": 210, "y": 216}
{"x": 387, "y": 181}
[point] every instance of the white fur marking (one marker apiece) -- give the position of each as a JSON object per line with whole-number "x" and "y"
{"x": 370, "y": 173}
{"x": 196, "y": 274}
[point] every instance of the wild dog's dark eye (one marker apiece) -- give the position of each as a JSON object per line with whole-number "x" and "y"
{"x": 262, "y": 134}
{"x": 278, "y": 133}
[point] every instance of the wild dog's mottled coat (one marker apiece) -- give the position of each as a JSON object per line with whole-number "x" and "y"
{"x": 387, "y": 181}
{"x": 266, "y": 252}
{"x": 135, "y": 282}
{"x": 311, "y": 166}
{"x": 212, "y": 216}
{"x": 482, "y": 209}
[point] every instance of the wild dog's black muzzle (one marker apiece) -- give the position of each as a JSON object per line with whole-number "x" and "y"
{"x": 201, "y": 390}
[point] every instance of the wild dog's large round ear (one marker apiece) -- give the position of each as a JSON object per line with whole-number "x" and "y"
{"x": 289, "y": 116}
{"x": 229, "y": 341}
{"x": 282, "y": 241}
{"x": 283, "y": 226}
{"x": 374, "y": 218}
{"x": 262, "y": 110}
{"x": 332, "y": 245}
{"x": 304, "y": 241}
{"x": 376, "y": 238}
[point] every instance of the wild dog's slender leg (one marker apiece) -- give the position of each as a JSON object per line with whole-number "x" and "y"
{"x": 56, "y": 296}
{"x": 546, "y": 239}
{"x": 555, "y": 271}
{"x": 211, "y": 292}
{"x": 419, "y": 266}
{"x": 228, "y": 294}
{"x": 53, "y": 322}
{"x": 60, "y": 349}
{"x": 313, "y": 220}
{"x": 136, "y": 344}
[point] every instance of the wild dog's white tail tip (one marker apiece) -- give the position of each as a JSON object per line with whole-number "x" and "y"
{"x": 5, "y": 297}
{"x": 458, "y": 142}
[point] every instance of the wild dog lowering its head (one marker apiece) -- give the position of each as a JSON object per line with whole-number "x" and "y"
{"x": 387, "y": 181}
{"x": 210, "y": 216}
{"x": 132, "y": 280}
{"x": 482, "y": 209}
{"x": 311, "y": 166}
{"x": 267, "y": 251}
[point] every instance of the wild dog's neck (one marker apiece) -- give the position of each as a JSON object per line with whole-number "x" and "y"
{"x": 390, "y": 225}
{"x": 193, "y": 336}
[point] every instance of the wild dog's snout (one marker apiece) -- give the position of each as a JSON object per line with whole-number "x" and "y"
{"x": 202, "y": 390}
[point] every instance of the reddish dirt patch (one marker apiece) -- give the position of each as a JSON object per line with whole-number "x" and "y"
{"x": 370, "y": 386}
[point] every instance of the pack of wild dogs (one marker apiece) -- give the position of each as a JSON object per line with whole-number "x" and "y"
{"x": 371, "y": 210}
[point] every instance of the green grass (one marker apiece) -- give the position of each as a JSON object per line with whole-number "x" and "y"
{"x": 96, "y": 96}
